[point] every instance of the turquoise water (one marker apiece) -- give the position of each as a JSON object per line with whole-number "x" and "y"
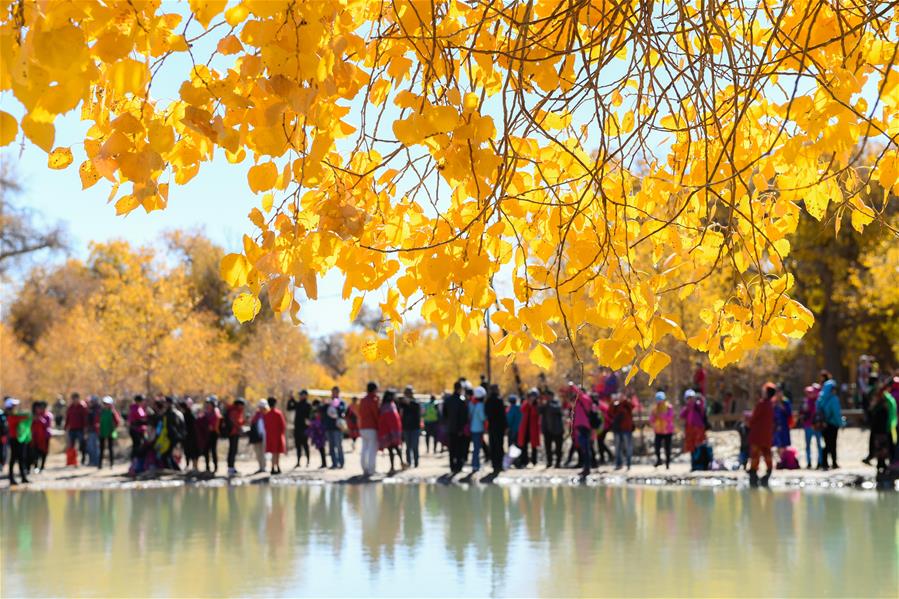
{"x": 433, "y": 540}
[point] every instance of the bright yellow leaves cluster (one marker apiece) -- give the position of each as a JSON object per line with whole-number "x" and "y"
{"x": 564, "y": 165}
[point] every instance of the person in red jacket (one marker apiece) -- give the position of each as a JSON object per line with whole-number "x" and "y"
{"x": 369, "y": 415}
{"x": 275, "y": 428}
{"x": 529, "y": 429}
{"x": 76, "y": 425}
{"x": 761, "y": 435}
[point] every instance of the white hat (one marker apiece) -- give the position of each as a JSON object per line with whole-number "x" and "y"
{"x": 10, "y": 403}
{"x": 689, "y": 394}
{"x": 108, "y": 400}
{"x": 263, "y": 403}
{"x": 480, "y": 392}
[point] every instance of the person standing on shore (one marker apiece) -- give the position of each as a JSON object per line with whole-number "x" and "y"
{"x": 553, "y": 425}
{"x": 189, "y": 443}
{"x": 431, "y": 417}
{"x": 455, "y": 418}
{"x": 317, "y": 433}
{"x": 137, "y": 424}
{"x": 693, "y": 415}
{"x": 234, "y": 420}
{"x": 411, "y": 416}
{"x": 352, "y": 423}
{"x": 581, "y": 427}
{"x": 93, "y": 431}
{"x": 830, "y": 417}
{"x": 40, "y": 435}
{"x": 661, "y": 418}
{"x": 211, "y": 420}
{"x": 807, "y": 416}
{"x": 881, "y": 429}
{"x": 109, "y": 426}
{"x": 335, "y": 410}
{"x": 257, "y": 435}
{"x": 301, "y": 412}
{"x": 761, "y": 435}
{"x": 783, "y": 419}
{"x": 496, "y": 427}
{"x": 476, "y": 419}
{"x": 622, "y": 415}
{"x": 18, "y": 424}
{"x": 513, "y": 419}
{"x": 390, "y": 429}
{"x": 529, "y": 430}
{"x": 369, "y": 413}
{"x": 75, "y": 425}
{"x": 275, "y": 429}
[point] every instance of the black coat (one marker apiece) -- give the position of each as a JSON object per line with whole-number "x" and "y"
{"x": 495, "y": 411}
{"x": 455, "y": 414}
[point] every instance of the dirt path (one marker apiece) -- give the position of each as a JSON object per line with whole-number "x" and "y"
{"x": 434, "y": 468}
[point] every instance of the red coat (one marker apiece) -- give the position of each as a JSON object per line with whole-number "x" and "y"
{"x": 275, "y": 427}
{"x": 530, "y": 425}
{"x": 369, "y": 411}
{"x": 761, "y": 424}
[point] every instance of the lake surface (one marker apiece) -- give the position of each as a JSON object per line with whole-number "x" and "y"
{"x": 434, "y": 540}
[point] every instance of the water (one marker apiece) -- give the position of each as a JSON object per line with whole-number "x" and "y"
{"x": 434, "y": 540}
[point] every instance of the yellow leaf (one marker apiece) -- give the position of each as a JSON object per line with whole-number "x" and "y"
{"x": 245, "y": 307}
{"x": 234, "y": 269}
{"x": 59, "y": 158}
{"x": 267, "y": 201}
{"x": 653, "y": 363}
{"x": 9, "y": 128}
{"x": 262, "y": 177}
{"x": 229, "y": 45}
{"x": 357, "y": 305}
{"x": 88, "y": 173}
{"x": 205, "y": 10}
{"x": 126, "y": 204}
{"x": 128, "y": 76}
{"x": 370, "y": 350}
{"x": 278, "y": 296}
{"x": 39, "y": 132}
{"x": 541, "y": 356}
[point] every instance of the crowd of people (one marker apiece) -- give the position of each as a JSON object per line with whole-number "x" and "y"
{"x": 466, "y": 423}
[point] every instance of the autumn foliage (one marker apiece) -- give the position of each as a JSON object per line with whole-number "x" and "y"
{"x": 576, "y": 167}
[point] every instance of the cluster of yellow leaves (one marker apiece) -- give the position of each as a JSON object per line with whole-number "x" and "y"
{"x": 546, "y": 160}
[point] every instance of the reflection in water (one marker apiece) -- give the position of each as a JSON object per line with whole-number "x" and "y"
{"x": 446, "y": 540}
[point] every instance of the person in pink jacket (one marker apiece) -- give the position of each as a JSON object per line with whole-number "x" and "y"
{"x": 661, "y": 418}
{"x": 581, "y": 427}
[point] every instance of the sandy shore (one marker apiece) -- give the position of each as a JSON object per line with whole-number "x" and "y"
{"x": 434, "y": 469}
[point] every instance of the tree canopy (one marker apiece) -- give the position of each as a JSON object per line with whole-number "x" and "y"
{"x": 571, "y": 165}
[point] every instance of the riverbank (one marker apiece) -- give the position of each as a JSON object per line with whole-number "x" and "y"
{"x": 433, "y": 468}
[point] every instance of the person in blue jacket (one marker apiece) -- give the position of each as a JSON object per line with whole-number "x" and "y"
{"x": 513, "y": 419}
{"x": 830, "y": 419}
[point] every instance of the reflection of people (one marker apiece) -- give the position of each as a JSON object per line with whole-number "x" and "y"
{"x": 275, "y": 427}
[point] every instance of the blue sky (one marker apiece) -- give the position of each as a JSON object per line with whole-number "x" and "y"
{"x": 216, "y": 201}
